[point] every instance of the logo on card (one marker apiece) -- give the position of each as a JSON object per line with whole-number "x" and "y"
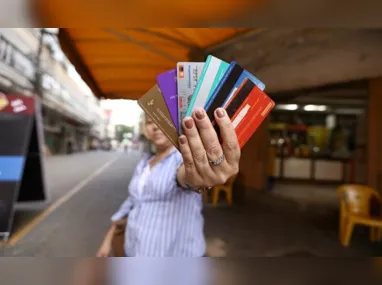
{"x": 181, "y": 71}
{"x": 3, "y": 101}
{"x": 150, "y": 103}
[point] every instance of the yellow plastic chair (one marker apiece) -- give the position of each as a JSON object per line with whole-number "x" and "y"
{"x": 205, "y": 196}
{"x": 355, "y": 201}
{"x": 227, "y": 188}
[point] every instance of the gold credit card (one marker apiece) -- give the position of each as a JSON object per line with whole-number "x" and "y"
{"x": 155, "y": 106}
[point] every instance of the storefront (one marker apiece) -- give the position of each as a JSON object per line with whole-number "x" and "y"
{"x": 317, "y": 144}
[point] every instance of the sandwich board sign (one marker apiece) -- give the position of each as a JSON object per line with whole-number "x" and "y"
{"x": 21, "y": 156}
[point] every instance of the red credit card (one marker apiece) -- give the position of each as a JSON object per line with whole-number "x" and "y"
{"x": 251, "y": 114}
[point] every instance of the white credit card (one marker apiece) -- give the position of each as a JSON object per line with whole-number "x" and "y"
{"x": 187, "y": 75}
{"x": 213, "y": 71}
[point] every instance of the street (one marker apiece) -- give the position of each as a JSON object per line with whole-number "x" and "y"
{"x": 86, "y": 188}
{"x": 95, "y": 184}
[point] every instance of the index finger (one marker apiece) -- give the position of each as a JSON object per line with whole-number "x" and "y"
{"x": 228, "y": 136}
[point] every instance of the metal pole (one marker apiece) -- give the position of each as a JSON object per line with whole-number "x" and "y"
{"x": 37, "y": 83}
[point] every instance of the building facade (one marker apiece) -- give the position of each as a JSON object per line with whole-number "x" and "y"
{"x": 72, "y": 116}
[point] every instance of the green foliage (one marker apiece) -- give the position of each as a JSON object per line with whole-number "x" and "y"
{"x": 122, "y": 130}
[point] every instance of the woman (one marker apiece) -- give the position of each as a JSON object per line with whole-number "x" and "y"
{"x": 164, "y": 204}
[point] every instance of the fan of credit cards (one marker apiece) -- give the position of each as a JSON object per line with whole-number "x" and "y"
{"x": 209, "y": 85}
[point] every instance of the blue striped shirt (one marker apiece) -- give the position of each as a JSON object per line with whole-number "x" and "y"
{"x": 163, "y": 219}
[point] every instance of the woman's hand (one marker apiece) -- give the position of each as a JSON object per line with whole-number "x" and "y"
{"x": 106, "y": 246}
{"x": 104, "y": 250}
{"x": 206, "y": 161}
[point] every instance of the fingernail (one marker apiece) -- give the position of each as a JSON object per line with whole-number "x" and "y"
{"x": 199, "y": 114}
{"x": 220, "y": 112}
{"x": 189, "y": 123}
{"x": 182, "y": 139}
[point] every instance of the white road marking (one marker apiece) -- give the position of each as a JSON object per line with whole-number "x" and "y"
{"x": 56, "y": 204}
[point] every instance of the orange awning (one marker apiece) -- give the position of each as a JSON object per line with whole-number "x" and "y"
{"x": 123, "y": 63}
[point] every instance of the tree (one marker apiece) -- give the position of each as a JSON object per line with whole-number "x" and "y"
{"x": 120, "y": 130}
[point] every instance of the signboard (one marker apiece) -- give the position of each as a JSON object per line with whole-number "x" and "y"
{"x": 21, "y": 162}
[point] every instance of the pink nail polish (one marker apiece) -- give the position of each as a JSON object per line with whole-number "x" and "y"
{"x": 220, "y": 113}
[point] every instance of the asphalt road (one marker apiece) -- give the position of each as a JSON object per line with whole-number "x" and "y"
{"x": 89, "y": 187}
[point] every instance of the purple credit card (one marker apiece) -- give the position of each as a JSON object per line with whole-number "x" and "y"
{"x": 167, "y": 84}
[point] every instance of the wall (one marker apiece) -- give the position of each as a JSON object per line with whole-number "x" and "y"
{"x": 253, "y": 163}
{"x": 374, "y": 144}
{"x": 360, "y": 155}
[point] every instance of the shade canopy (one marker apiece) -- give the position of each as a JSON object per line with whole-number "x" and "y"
{"x": 123, "y": 63}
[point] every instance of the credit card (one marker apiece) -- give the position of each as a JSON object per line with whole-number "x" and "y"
{"x": 188, "y": 74}
{"x": 234, "y": 77}
{"x": 251, "y": 114}
{"x": 167, "y": 83}
{"x": 223, "y": 89}
{"x": 213, "y": 71}
{"x": 238, "y": 83}
{"x": 239, "y": 97}
{"x": 155, "y": 106}
{"x": 236, "y": 100}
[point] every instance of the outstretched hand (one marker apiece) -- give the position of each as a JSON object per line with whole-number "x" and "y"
{"x": 206, "y": 161}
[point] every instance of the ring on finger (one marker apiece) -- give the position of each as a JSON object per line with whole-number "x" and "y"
{"x": 202, "y": 189}
{"x": 217, "y": 161}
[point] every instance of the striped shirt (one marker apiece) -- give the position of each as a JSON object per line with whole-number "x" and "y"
{"x": 163, "y": 219}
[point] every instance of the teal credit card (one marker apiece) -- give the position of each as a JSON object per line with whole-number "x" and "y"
{"x": 213, "y": 71}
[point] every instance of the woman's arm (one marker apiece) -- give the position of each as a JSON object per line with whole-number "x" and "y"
{"x": 105, "y": 249}
{"x": 123, "y": 210}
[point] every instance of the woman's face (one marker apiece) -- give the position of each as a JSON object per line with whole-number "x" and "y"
{"x": 155, "y": 135}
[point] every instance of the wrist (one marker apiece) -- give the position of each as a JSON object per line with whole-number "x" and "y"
{"x": 181, "y": 182}
{"x": 186, "y": 186}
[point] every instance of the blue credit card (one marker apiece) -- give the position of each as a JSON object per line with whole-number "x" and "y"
{"x": 11, "y": 168}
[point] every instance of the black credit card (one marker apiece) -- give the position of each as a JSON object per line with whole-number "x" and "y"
{"x": 236, "y": 100}
{"x": 224, "y": 91}
{"x": 239, "y": 97}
